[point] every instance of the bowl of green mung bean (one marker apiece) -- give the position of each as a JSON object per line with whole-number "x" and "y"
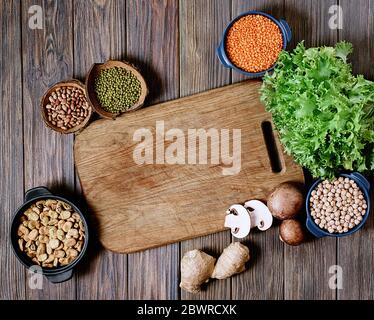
{"x": 115, "y": 87}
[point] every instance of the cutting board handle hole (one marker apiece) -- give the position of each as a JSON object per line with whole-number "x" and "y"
{"x": 271, "y": 146}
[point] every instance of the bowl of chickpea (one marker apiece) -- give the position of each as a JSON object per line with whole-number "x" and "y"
{"x": 338, "y": 207}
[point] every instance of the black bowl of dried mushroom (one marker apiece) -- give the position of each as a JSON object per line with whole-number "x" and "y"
{"x": 49, "y": 232}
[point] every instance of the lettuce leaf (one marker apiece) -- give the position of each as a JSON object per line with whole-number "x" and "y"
{"x": 323, "y": 113}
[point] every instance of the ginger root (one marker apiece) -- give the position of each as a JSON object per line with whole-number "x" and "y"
{"x": 196, "y": 268}
{"x": 231, "y": 261}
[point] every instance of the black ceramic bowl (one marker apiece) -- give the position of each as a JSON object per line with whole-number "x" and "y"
{"x": 54, "y": 275}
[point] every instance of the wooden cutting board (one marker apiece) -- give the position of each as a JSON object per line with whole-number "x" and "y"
{"x": 140, "y": 206}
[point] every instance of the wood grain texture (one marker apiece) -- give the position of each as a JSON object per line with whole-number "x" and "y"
{"x": 172, "y": 197}
{"x": 154, "y": 274}
{"x": 12, "y": 273}
{"x": 47, "y": 58}
{"x": 175, "y": 62}
{"x": 355, "y": 253}
{"x": 201, "y": 25}
{"x": 264, "y": 278}
{"x": 309, "y": 21}
{"x": 306, "y": 267}
{"x": 99, "y": 35}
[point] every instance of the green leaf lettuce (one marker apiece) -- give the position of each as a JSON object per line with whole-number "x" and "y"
{"x": 323, "y": 113}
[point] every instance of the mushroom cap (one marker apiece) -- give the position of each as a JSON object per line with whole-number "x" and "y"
{"x": 286, "y": 201}
{"x": 292, "y": 232}
{"x": 261, "y": 216}
{"x": 238, "y": 220}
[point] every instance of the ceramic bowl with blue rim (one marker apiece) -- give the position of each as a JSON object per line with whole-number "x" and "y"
{"x": 221, "y": 50}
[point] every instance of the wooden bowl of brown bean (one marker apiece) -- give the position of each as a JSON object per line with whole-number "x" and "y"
{"x": 65, "y": 108}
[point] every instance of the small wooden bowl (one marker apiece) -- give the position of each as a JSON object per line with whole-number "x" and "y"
{"x": 45, "y": 101}
{"x": 90, "y": 86}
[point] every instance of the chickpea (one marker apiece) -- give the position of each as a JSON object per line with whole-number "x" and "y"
{"x": 338, "y": 205}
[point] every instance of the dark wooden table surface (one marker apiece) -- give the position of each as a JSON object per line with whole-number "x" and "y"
{"x": 173, "y": 42}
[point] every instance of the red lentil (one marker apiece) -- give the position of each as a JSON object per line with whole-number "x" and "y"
{"x": 253, "y": 43}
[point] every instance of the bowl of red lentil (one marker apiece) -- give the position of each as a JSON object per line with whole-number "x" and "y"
{"x": 252, "y": 42}
{"x": 338, "y": 207}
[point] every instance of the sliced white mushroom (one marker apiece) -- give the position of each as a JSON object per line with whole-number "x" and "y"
{"x": 238, "y": 220}
{"x": 241, "y": 219}
{"x": 260, "y": 214}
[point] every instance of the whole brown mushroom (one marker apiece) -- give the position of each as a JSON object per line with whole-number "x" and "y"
{"x": 292, "y": 232}
{"x": 286, "y": 201}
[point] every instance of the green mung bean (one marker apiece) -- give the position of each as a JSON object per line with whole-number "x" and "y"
{"x": 117, "y": 89}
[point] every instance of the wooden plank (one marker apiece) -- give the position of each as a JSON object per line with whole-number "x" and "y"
{"x": 355, "y": 253}
{"x": 12, "y": 273}
{"x": 309, "y": 21}
{"x": 307, "y": 266}
{"x": 201, "y": 27}
{"x": 358, "y": 27}
{"x": 47, "y": 58}
{"x": 152, "y": 45}
{"x": 265, "y": 271}
{"x": 99, "y": 31}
